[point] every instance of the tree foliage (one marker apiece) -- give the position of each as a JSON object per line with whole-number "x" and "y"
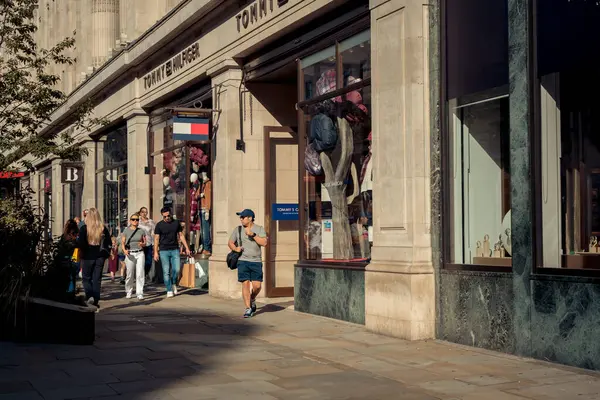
{"x": 28, "y": 90}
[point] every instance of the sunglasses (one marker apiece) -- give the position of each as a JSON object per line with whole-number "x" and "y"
{"x": 135, "y": 219}
{"x": 166, "y": 216}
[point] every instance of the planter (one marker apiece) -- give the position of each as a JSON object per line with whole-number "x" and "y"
{"x": 45, "y": 321}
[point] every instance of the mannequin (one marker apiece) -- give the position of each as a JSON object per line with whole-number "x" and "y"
{"x": 206, "y": 204}
{"x": 366, "y": 193}
{"x": 194, "y": 212}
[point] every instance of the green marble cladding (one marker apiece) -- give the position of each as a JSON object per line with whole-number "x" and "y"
{"x": 332, "y": 293}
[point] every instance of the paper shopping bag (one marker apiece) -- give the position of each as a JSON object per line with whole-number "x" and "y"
{"x": 188, "y": 276}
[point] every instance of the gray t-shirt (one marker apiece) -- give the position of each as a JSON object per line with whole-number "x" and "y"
{"x": 134, "y": 243}
{"x": 252, "y": 251}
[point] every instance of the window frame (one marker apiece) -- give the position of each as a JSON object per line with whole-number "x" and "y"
{"x": 302, "y": 142}
{"x": 446, "y": 239}
{"x": 535, "y": 84}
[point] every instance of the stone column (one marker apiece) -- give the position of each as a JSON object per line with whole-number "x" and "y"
{"x": 520, "y": 173}
{"x": 399, "y": 282}
{"x": 83, "y": 38}
{"x": 105, "y": 29}
{"x": 227, "y": 179}
{"x": 138, "y": 182}
{"x": 91, "y": 190}
{"x": 57, "y": 198}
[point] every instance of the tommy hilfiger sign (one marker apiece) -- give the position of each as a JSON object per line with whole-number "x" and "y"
{"x": 172, "y": 66}
{"x": 256, "y": 12}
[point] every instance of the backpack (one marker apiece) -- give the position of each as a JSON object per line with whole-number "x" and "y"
{"x": 312, "y": 160}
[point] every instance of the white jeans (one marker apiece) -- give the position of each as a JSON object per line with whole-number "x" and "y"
{"x": 135, "y": 267}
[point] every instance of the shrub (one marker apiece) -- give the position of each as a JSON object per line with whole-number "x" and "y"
{"x": 27, "y": 266}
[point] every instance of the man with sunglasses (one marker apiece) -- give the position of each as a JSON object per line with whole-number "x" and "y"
{"x": 250, "y": 273}
{"x": 167, "y": 234}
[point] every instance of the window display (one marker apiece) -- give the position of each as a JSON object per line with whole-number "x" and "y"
{"x": 339, "y": 170}
{"x": 480, "y": 183}
{"x": 181, "y": 181}
{"x": 112, "y": 175}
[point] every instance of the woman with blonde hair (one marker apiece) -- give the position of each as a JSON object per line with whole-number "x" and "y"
{"x": 94, "y": 243}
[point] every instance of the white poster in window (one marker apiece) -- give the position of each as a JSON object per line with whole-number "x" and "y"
{"x": 327, "y": 238}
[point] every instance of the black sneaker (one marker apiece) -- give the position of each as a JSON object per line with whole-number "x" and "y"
{"x": 248, "y": 313}
{"x": 253, "y": 307}
{"x": 122, "y": 281}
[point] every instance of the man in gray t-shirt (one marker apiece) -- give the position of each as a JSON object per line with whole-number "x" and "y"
{"x": 250, "y": 273}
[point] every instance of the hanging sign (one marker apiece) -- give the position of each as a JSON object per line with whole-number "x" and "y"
{"x": 71, "y": 173}
{"x": 284, "y": 212}
{"x": 190, "y": 128}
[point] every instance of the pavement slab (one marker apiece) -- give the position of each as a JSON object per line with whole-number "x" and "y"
{"x": 194, "y": 346}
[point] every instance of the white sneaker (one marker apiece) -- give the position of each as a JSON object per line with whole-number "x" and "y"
{"x": 169, "y": 294}
{"x": 128, "y": 296}
{"x": 140, "y": 297}
{"x": 90, "y": 301}
{"x": 175, "y": 290}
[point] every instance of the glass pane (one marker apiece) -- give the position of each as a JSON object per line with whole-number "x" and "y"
{"x": 169, "y": 184}
{"x": 339, "y": 224}
{"x": 319, "y": 76}
{"x": 356, "y": 58}
{"x": 481, "y": 218}
{"x": 200, "y": 234}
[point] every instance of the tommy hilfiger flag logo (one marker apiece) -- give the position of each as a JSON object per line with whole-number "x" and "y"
{"x": 188, "y": 128}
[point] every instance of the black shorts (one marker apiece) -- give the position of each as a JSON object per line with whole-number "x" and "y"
{"x": 249, "y": 271}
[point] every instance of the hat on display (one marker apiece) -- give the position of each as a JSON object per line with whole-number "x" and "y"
{"x": 246, "y": 213}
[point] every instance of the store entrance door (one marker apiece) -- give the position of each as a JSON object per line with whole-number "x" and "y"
{"x": 281, "y": 208}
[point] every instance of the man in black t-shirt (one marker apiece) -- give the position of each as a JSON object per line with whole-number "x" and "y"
{"x": 167, "y": 234}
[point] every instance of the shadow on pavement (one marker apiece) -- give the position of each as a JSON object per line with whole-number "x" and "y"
{"x": 161, "y": 352}
{"x": 274, "y": 307}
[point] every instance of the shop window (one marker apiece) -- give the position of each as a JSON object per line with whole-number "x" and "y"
{"x": 112, "y": 179}
{"x": 338, "y": 179}
{"x": 568, "y": 145}
{"x": 182, "y": 181}
{"x": 480, "y": 182}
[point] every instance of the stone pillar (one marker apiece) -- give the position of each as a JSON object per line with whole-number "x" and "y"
{"x": 83, "y": 38}
{"x": 138, "y": 182}
{"x": 105, "y": 29}
{"x": 520, "y": 173}
{"x": 91, "y": 190}
{"x": 227, "y": 179}
{"x": 57, "y": 199}
{"x": 399, "y": 282}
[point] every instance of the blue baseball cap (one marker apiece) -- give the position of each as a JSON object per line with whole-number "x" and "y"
{"x": 246, "y": 213}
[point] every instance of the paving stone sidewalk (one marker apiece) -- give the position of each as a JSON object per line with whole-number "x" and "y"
{"x": 194, "y": 346}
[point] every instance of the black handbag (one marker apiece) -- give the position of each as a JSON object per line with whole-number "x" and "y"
{"x": 104, "y": 247}
{"x": 234, "y": 256}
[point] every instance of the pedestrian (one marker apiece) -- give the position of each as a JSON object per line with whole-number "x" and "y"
{"x": 113, "y": 261}
{"x": 94, "y": 243}
{"x": 81, "y": 221}
{"x": 167, "y": 235}
{"x": 133, "y": 241}
{"x": 147, "y": 224}
{"x": 66, "y": 248}
{"x": 249, "y": 266}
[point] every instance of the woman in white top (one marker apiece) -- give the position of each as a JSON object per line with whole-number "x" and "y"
{"x": 147, "y": 224}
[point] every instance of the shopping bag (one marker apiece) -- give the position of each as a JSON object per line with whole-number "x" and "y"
{"x": 75, "y": 256}
{"x": 201, "y": 276}
{"x": 188, "y": 276}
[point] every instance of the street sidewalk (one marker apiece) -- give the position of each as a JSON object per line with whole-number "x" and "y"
{"x": 194, "y": 346}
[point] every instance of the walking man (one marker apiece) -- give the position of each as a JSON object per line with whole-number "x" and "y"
{"x": 166, "y": 247}
{"x": 250, "y": 273}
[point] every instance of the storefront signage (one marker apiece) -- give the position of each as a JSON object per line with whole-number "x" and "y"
{"x": 172, "y": 66}
{"x": 256, "y": 12}
{"x": 189, "y": 128}
{"x": 284, "y": 212}
{"x": 10, "y": 175}
{"x": 71, "y": 173}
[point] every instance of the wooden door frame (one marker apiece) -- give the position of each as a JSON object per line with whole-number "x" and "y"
{"x": 271, "y": 289}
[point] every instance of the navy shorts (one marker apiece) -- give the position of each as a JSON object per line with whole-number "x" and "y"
{"x": 249, "y": 271}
